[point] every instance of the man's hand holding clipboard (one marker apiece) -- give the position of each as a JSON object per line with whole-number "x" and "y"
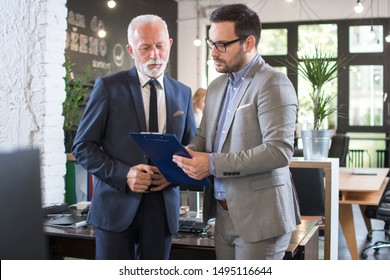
{"x": 196, "y": 167}
{"x": 166, "y": 152}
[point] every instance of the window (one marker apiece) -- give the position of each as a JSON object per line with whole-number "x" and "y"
{"x": 366, "y": 95}
{"x": 325, "y": 36}
{"x": 366, "y": 39}
{"x": 362, "y": 89}
{"x": 273, "y": 42}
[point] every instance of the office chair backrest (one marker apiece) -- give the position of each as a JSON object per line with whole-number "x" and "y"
{"x": 309, "y": 184}
{"x": 383, "y": 211}
{"x": 379, "y": 212}
{"x": 356, "y": 158}
{"x": 339, "y": 148}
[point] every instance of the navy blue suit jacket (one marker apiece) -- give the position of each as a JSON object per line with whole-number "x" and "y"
{"x": 104, "y": 147}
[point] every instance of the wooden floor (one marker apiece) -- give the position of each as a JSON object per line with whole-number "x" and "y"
{"x": 361, "y": 233}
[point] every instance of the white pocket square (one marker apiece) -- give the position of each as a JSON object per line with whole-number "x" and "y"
{"x": 178, "y": 113}
{"x": 243, "y": 106}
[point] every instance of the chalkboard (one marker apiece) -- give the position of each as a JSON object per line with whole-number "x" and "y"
{"x": 108, "y": 55}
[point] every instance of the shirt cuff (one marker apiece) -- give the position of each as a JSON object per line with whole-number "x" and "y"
{"x": 211, "y": 164}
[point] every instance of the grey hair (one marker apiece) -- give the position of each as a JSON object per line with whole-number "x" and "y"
{"x": 141, "y": 20}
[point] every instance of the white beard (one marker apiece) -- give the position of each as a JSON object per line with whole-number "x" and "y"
{"x": 154, "y": 73}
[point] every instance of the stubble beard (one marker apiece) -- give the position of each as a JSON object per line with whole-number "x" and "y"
{"x": 236, "y": 64}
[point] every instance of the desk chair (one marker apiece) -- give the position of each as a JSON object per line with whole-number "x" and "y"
{"x": 380, "y": 212}
{"x": 339, "y": 148}
{"x": 382, "y": 158}
{"x": 309, "y": 184}
{"x": 356, "y": 158}
{"x": 298, "y": 153}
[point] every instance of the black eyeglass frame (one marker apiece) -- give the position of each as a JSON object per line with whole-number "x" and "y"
{"x": 220, "y": 44}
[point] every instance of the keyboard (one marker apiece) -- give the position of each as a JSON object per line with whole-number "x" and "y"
{"x": 193, "y": 226}
{"x": 55, "y": 208}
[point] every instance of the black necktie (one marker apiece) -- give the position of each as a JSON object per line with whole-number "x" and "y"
{"x": 153, "y": 121}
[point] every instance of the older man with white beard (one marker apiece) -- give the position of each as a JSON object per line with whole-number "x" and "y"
{"x": 133, "y": 206}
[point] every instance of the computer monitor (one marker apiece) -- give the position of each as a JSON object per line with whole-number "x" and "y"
{"x": 21, "y": 216}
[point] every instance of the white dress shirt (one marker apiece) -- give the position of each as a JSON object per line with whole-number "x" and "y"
{"x": 161, "y": 104}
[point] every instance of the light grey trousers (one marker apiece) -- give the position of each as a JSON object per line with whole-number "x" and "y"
{"x": 229, "y": 245}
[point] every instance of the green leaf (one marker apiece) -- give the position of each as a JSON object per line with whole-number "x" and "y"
{"x": 318, "y": 68}
{"x": 76, "y": 89}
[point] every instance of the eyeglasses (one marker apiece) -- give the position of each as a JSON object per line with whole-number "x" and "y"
{"x": 220, "y": 46}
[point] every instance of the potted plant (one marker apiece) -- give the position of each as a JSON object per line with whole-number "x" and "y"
{"x": 76, "y": 89}
{"x": 318, "y": 68}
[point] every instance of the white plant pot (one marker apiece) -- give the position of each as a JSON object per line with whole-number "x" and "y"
{"x": 316, "y": 144}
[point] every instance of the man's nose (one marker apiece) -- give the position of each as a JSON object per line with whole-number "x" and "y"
{"x": 154, "y": 53}
{"x": 214, "y": 52}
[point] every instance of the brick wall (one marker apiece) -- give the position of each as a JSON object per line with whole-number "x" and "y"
{"x": 32, "y": 88}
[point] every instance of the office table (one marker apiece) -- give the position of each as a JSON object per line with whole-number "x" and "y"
{"x": 80, "y": 243}
{"x": 363, "y": 190}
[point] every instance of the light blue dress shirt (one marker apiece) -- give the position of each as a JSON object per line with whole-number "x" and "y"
{"x": 235, "y": 81}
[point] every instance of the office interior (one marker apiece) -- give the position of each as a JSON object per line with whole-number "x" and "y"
{"x": 38, "y": 36}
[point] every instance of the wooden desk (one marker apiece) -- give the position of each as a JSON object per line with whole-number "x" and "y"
{"x": 80, "y": 243}
{"x": 331, "y": 170}
{"x": 363, "y": 190}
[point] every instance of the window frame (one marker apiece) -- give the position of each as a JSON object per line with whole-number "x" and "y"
{"x": 343, "y": 77}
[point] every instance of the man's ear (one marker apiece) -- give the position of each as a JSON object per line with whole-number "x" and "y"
{"x": 129, "y": 50}
{"x": 250, "y": 43}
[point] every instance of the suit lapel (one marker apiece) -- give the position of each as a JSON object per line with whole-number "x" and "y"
{"x": 213, "y": 112}
{"x": 169, "y": 97}
{"x": 135, "y": 91}
{"x": 237, "y": 101}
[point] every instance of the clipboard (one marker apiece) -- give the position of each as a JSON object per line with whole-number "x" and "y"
{"x": 160, "y": 148}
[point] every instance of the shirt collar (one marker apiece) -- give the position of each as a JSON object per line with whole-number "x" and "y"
{"x": 236, "y": 76}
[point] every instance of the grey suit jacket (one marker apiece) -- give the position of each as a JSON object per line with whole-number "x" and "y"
{"x": 256, "y": 152}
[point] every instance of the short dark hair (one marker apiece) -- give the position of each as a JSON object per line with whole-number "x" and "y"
{"x": 246, "y": 21}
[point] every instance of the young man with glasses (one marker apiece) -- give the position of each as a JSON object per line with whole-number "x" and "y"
{"x": 246, "y": 144}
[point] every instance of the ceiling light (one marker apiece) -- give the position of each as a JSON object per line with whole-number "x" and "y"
{"x": 111, "y": 4}
{"x": 197, "y": 42}
{"x": 102, "y": 33}
{"x": 387, "y": 38}
{"x": 372, "y": 34}
{"x": 358, "y": 7}
{"x": 210, "y": 62}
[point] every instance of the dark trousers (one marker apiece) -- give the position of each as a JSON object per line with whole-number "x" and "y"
{"x": 147, "y": 238}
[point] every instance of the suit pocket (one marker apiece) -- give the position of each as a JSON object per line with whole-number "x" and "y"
{"x": 244, "y": 108}
{"x": 245, "y": 115}
{"x": 263, "y": 182}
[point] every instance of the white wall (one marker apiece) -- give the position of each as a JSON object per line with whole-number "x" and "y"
{"x": 191, "y": 67}
{"x": 32, "y": 88}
